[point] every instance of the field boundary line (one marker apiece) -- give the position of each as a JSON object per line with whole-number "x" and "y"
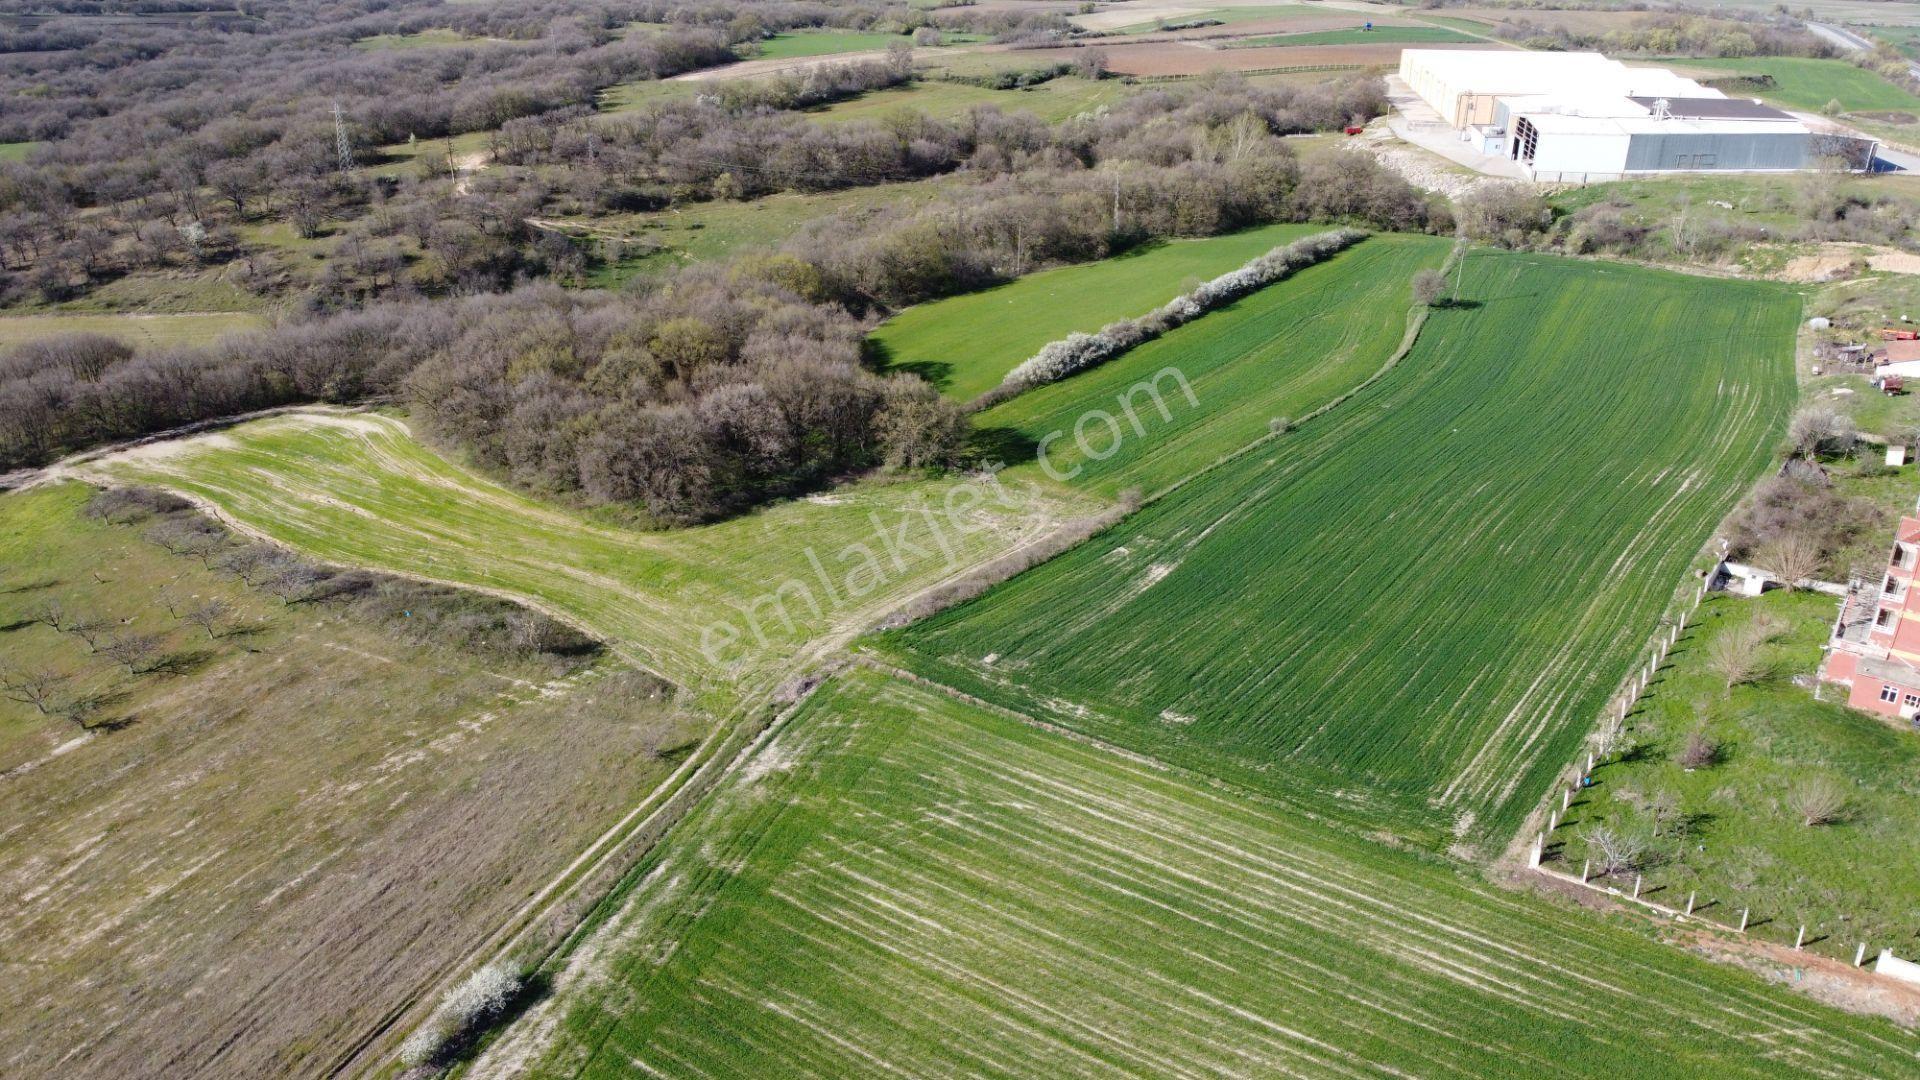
{"x": 1416, "y": 321}
{"x": 737, "y": 738}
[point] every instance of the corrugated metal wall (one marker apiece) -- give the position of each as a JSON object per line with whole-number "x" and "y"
{"x": 1692, "y": 150}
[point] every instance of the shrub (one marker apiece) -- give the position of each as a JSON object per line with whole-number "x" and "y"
{"x": 465, "y": 1010}
{"x": 1699, "y": 751}
{"x": 1428, "y": 287}
{"x": 1819, "y": 801}
{"x": 1079, "y": 351}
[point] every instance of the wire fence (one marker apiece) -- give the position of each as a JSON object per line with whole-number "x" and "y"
{"x": 1577, "y": 778}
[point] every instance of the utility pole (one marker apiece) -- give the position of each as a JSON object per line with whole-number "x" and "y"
{"x": 341, "y": 144}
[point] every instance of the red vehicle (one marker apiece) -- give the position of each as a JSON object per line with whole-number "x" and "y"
{"x": 1353, "y": 129}
{"x": 1888, "y": 333}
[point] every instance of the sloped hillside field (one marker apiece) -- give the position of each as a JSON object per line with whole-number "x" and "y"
{"x": 899, "y": 884}
{"x": 1417, "y": 604}
{"x": 721, "y": 609}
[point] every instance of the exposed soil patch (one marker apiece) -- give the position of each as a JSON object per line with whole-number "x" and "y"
{"x": 1835, "y": 260}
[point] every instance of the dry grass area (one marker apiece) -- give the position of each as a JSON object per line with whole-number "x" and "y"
{"x": 308, "y": 823}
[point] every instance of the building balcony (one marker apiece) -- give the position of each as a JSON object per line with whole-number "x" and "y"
{"x": 1853, "y": 630}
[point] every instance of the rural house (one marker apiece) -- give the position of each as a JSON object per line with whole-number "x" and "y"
{"x": 1875, "y": 647}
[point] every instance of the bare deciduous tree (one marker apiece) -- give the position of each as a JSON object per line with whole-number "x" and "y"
{"x": 189, "y": 536}
{"x": 1735, "y": 656}
{"x": 211, "y": 617}
{"x": 1820, "y": 429}
{"x": 36, "y": 688}
{"x": 79, "y": 708}
{"x": 1791, "y": 557}
{"x": 88, "y": 629}
{"x": 251, "y": 563}
{"x": 49, "y": 613}
{"x": 1616, "y": 850}
{"x": 1663, "y": 808}
{"x": 137, "y": 652}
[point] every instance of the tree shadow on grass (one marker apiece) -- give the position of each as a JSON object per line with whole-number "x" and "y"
{"x": 181, "y": 662}
{"x": 1635, "y": 754}
{"x": 1002, "y": 445}
{"x": 466, "y": 1045}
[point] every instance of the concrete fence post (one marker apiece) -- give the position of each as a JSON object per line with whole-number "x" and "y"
{"x": 1743, "y": 919}
{"x": 1589, "y": 761}
{"x": 1566, "y": 799}
{"x": 1539, "y": 849}
{"x": 1801, "y": 938}
{"x": 1553, "y": 820}
{"x": 1637, "y": 878}
{"x": 1585, "y": 867}
{"x": 1860, "y": 954}
{"x": 1690, "y": 897}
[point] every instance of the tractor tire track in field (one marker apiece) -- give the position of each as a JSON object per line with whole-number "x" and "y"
{"x": 913, "y": 886}
{"x": 1418, "y": 604}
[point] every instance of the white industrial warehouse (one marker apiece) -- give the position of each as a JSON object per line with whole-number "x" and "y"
{"x": 1581, "y": 117}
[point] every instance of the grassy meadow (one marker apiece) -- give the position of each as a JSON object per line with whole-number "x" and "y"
{"x": 1053, "y": 100}
{"x": 705, "y": 231}
{"x": 898, "y": 884}
{"x": 437, "y": 38}
{"x": 254, "y": 856}
{"x": 694, "y": 605}
{"x": 141, "y": 331}
{"x": 1282, "y": 352}
{"x": 1808, "y": 85}
{"x": 1228, "y": 16}
{"x": 1410, "y": 35}
{"x": 1729, "y": 831}
{"x": 1416, "y": 604}
{"x": 966, "y": 344}
{"x": 796, "y": 44}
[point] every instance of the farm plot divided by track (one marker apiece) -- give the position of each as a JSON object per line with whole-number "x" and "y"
{"x": 901, "y": 885}
{"x": 360, "y": 491}
{"x": 1282, "y": 352}
{"x": 966, "y": 344}
{"x": 1416, "y": 605}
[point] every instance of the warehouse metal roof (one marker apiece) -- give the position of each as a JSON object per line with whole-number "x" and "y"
{"x": 1713, "y": 108}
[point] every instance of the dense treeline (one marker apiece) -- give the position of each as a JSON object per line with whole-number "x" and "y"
{"x": 701, "y": 392}
{"x": 730, "y": 146}
{"x": 1671, "y": 30}
{"x": 699, "y": 398}
{"x": 1676, "y": 35}
{"x": 166, "y": 136}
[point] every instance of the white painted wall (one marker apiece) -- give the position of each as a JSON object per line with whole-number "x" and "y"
{"x": 1578, "y": 152}
{"x": 1889, "y": 964}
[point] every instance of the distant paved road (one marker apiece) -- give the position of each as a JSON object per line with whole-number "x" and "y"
{"x": 1850, "y": 41}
